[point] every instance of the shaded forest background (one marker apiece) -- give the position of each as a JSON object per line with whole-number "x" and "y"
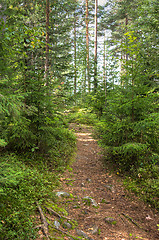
{"x": 64, "y": 61}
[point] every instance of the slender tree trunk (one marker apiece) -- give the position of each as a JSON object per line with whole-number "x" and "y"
{"x": 105, "y": 71}
{"x": 87, "y": 46}
{"x": 75, "y": 57}
{"x": 126, "y": 28}
{"x": 133, "y": 93}
{"x": 85, "y": 79}
{"x": 47, "y": 42}
{"x": 95, "y": 47}
{"x": 3, "y": 17}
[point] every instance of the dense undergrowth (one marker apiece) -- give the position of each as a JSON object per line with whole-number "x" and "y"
{"x": 130, "y": 148}
{"x": 81, "y": 115}
{"x": 29, "y": 177}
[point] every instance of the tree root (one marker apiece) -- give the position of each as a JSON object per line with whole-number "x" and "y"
{"x": 45, "y": 224}
{"x": 61, "y": 231}
{"x": 135, "y": 223}
{"x": 56, "y": 214}
{"x": 126, "y": 225}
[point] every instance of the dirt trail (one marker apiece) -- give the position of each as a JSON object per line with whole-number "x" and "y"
{"x": 107, "y": 213}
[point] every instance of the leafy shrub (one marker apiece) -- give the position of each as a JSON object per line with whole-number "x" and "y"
{"x": 19, "y": 136}
{"x": 3, "y": 143}
{"x": 96, "y": 100}
{"x": 128, "y": 156}
{"x": 83, "y": 116}
{"x": 21, "y": 187}
{"x": 145, "y": 183}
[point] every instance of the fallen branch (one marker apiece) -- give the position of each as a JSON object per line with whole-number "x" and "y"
{"x": 45, "y": 224}
{"x": 56, "y": 214}
{"x": 135, "y": 223}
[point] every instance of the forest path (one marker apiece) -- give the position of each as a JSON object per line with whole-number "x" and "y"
{"x": 100, "y": 204}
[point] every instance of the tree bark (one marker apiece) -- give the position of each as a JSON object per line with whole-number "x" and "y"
{"x": 105, "y": 71}
{"x": 95, "y": 47}
{"x": 47, "y": 42}
{"x": 126, "y": 24}
{"x": 75, "y": 57}
{"x": 87, "y": 46}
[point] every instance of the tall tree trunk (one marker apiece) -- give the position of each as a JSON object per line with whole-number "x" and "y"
{"x": 87, "y": 46}
{"x": 126, "y": 28}
{"x": 75, "y": 57}
{"x": 133, "y": 80}
{"x": 95, "y": 47}
{"x": 47, "y": 42}
{"x": 85, "y": 78}
{"x": 105, "y": 71}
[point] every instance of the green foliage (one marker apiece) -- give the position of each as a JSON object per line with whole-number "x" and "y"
{"x": 25, "y": 180}
{"x": 2, "y": 143}
{"x": 129, "y": 156}
{"x": 62, "y": 146}
{"x": 96, "y": 101}
{"x": 145, "y": 183}
{"x": 21, "y": 187}
{"x": 82, "y": 115}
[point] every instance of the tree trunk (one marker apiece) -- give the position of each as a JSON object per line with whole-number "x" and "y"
{"x": 95, "y": 47}
{"x": 47, "y": 42}
{"x": 75, "y": 57}
{"x": 133, "y": 93}
{"x": 105, "y": 71}
{"x": 87, "y": 46}
{"x": 126, "y": 27}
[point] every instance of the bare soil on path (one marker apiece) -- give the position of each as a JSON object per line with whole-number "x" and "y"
{"x": 102, "y": 207}
{"x": 98, "y": 202}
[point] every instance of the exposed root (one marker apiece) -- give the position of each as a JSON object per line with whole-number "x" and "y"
{"x": 135, "y": 223}
{"x": 56, "y": 214}
{"x": 45, "y": 224}
{"x": 61, "y": 231}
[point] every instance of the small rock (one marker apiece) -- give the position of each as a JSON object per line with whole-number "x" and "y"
{"x": 67, "y": 225}
{"x": 83, "y": 234}
{"x": 110, "y": 220}
{"x": 110, "y": 187}
{"x": 63, "y": 194}
{"x": 88, "y": 180}
{"x": 76, "y": 206}
{"x": 105, "y": 201}
{"x": 92, "y": 201}
{"x": 148, "y": 217}
{"x": 94, "y": 229}
{"x": 85, "y": 211}
{"x": 56, "y": 224}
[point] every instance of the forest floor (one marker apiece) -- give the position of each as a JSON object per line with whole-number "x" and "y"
{"x": 99, "y": 203}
